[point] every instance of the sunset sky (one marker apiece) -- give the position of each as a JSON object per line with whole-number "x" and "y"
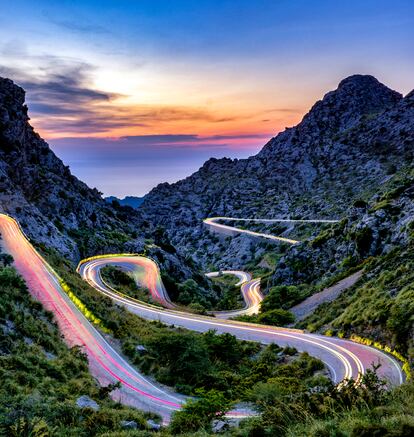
{"x": 133, "y": 93}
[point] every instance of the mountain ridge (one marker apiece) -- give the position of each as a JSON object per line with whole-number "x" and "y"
{"x": 349, "y": 142}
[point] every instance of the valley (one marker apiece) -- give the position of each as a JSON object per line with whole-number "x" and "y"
{"x": 317, "y": 229}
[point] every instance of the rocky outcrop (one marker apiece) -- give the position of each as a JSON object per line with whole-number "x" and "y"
{"x": 86, "y": 402}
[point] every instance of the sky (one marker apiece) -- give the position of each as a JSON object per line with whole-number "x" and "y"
{"x": 134, "y": 93}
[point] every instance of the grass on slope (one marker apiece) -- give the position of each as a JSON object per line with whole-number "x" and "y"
{"x": 380, "y": 306}
{"x": 124, "y": 283}
{"x": 364, "y": 411}
{"x": 291, "y": 406}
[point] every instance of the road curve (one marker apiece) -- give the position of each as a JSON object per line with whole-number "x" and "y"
{"x": 343, "y": 358}
{"x": 146, "y": 274}
{"x": 250, "y": 290}
{"x": 212, "y": 223}
{"x": 144, "y": 271}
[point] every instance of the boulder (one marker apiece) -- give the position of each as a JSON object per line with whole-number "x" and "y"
{"x": 86, "y": 402}
{"x": 129, "y": 424}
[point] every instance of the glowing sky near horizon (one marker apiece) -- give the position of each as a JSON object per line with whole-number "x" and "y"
{"x": 133, "y": 93}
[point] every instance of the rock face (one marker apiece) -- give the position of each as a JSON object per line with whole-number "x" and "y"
{"x": 153, "y": 425}
{"x": 349, "y": 143}
{"x": 129, "y": 424}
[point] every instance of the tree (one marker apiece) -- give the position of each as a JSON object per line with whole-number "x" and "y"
{"x": 197, "y": 414}
{"x": 281, "y": 296}
{"x": 189, "y": 291}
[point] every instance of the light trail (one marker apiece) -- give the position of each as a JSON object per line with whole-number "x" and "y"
{"x": 146, "y": 274}
{"x": 250, "y": 290}
{"x": 104, "y": 362}
{"x": 212, "y": 224}
{"x": 341, "y": 356}
{"x": 345, "y": 359}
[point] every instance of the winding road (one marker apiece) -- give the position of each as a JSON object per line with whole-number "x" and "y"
{"x": 106, "y": 365}
{"x": 212, "y": 223}
{"x": 146, "y": 274}
{"x": 343, "y": 358}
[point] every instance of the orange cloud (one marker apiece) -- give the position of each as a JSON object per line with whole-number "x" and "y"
{"x": 63, "y": 103}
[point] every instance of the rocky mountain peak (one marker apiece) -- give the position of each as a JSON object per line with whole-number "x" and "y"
{"x": 356, "y": 97}
{"x": 362, "y": 81}
{"x": 353, "y": 139}
{"x": 367, "y": 90}
{"x": 410, "y": 96}
{"x": 10, "y": 91}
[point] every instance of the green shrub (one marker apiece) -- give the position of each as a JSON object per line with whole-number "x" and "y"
{"x": 363, "y": 240}
{"x": 42, "y": 378}
{"x": 198, "y": 414}
{"x": 276, "y": 317}
{"x": 285, "y": 296}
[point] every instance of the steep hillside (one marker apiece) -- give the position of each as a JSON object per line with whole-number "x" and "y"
{"x": 348, "y": 144}
{"x": 378, "y": 238}
{"x": 56, "y": 209}
{"x": 38, "y": 189}
{"x": 43, "y": 381}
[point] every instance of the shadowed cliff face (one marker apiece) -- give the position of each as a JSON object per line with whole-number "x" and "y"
{"x": 348, "y": 143}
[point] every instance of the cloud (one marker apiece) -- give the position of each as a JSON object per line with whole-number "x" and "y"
{"x": 63, "y": 101}
{"x": 284, "y": 110}
{"x": 61, "y": 86}
{"x": 137, "y": 145}
{"x": 186, "y": 139}
{"x": 77, "y": 25}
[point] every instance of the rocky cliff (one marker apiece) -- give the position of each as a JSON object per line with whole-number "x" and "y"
{"x": 377, "y": 222}
{"x": 37, "y": 188}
